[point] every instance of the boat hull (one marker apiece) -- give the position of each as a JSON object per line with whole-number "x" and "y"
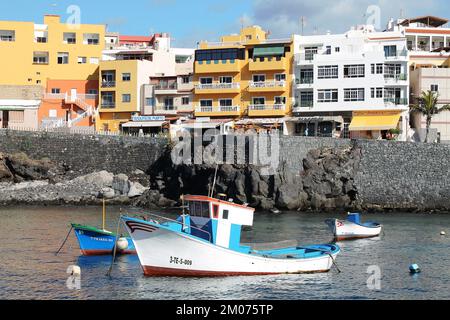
{"x": 96, "y": 243}
{"x": 347, "y": 230}
{"x": 163, "y": 253}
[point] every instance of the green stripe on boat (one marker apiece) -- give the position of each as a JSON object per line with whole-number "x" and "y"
{"x": 92, "y": 229}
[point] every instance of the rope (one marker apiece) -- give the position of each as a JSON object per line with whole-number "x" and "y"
{"x": 115, "y": 246}
{"x": 67, "y": 237}
{"x": 326, "y": 252}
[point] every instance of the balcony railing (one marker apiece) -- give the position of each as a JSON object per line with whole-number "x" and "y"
{"x": 108, "y": 104}
{"x": 267, "y": 84}
{"x": 108, "y": 84}
{"x": 396, "y": 77}
{"x": 396, "y": 101}
{"x": 305, "y": 104}
{"x": 163, "y": 87}
{"x": 166, "y": 109}
{"x": 55, "y": 96}
{"x": 265, "y": 107}
{"x": 218, "y": 109}
{"x": 307, "y": 80}
{"x": 218, "y": 86}
{"x": 399, "y": 54}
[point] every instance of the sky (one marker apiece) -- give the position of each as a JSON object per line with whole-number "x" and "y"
{"x": 190, "y": 21}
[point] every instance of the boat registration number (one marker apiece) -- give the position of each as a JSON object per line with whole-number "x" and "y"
{"x": 176, "y": 260}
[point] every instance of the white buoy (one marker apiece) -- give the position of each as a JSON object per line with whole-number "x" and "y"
{"x": 443, "y": 233}
{"x": 414, "y": 268}
{"x": 74, "y": 271}
{"x": 122, "y": 244}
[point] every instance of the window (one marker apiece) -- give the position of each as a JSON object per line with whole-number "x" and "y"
{"x": 91, "y": 38}
{"x": 206, "y": 80}
{"x": 280, "y": 77}
{"x": 259, "y": 78}
{"x": 226, "y": 102}
{"x": 328, "y": 72}
{"x": 7, "y": 35}
{"x": 126, "y": 98}
{"x": 94, "y": 60}
{"x": 310, "y": 52}
{"x": 126, "y": 76}
{"x": 329, "y": 95}
{"x": 206, "y": 103}
{"x": 215, "y": 211}
{"x": 185, "y": 101}
{"x": 52, "y": 113}
{"x": 259, "y": 101}
{"x": 56, "y": 90}
{"x": 40, "y": 58}
{"x": 377, "y": 68}
{"x": 225, "y": 214}
{"x": 376, "y": 93}
{"x": 149, "y": 101}
{"x": 186, "y": 79}
{"x": 390, "y": 51}
{"x": 337, "y": 49}
{"x": 306, "y": 99}
{"x": 328, "y": 50}
{"x": 16, "y": 116}
{"x": 280, "y": 100}
{"x": 434, "y": 88}
{"x": 82, "y": 60}
{"x": 41, "y": 39}
{"x": 226, "y": 80}
{"x": 70, "y": 38}
{"x": 220, "y": 54}
{"x": 354, "y": 71}
{"x": 168, "y": 103}
{"x": 63, "y": 58}
{"x": 392, "y": 70}
{"x": 92, "y": 91}
{"x": 354, "y": 94}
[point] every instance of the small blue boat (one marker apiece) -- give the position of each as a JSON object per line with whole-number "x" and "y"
{"x": 95, "y": 242}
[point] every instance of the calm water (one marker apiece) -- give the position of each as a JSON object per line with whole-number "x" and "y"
{"x": 30, "y": 270}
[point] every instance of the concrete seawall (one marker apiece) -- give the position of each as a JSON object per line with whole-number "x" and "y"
{"x": 390, "y": 175}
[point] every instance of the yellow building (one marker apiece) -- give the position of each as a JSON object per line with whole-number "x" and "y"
{"x": 33, "y": 53}
{"x": 245, "y": 76}
{"x": 121, "y": 92}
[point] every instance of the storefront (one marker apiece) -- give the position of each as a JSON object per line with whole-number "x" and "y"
{"x": 263, "y": 125}
{"x": 19, "y": 114}
{"x": 146, "y": 126}
{"x": 378, "y": 125}
{"x": 316, "y": 126}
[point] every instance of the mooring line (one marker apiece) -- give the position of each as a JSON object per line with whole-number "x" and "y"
{"x": 115, "y": 246}
{"x": 67, "y": 237}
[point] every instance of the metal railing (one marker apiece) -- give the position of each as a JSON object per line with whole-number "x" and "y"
{"x": 304, "y": 104}
{"x": 108, "y": 84}
{"x": 172, "y": 86}
{"x": 212, "y": 86}
{"x": 218, "y": 109}
{"x": 396, "y": 77}
{"x": 306, "y": 80}
{"x": 396, "y": 101}
{"x": 108, "y": 104}
{"x": 399, "y": 54}
{"x": 229, "y": 108}
{"x": 267, "y": 84}
{"x": 264, "y": 107}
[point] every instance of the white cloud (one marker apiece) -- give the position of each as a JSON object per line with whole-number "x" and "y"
{"x": 282, "y": 17}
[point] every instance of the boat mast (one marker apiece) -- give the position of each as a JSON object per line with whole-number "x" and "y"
{"x": 104, "y": 215}
{"x": 214, "y": 183}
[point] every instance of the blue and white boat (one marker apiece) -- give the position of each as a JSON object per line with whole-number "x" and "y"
{"x": 95, "y": 242}
{"x": 206, "y": 243}
{"x": 353, "y": 228}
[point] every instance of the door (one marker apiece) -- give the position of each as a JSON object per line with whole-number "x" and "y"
{"x": 5, "y": 120}
{"x": 73, "y": 95}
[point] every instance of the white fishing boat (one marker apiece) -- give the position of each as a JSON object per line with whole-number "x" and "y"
{"x": 205, "y": 242}
{"x": 353, "y": 228}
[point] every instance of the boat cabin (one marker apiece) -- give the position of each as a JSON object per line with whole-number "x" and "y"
{"x": 217, "y": 221}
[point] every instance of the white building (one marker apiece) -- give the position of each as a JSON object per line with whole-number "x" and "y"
{"x": 351, "y": 85}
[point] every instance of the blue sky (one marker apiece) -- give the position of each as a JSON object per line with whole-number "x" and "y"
{"x": 189, "y": 21}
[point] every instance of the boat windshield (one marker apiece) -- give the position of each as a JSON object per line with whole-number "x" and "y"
{"x": 199, "y": 209}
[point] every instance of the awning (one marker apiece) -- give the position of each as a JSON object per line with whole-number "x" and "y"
{"x": 338, "y": 119}
{"x": 374, "y": 121}
{"x": 268, "y": 51}
{"x": 202, "y": 125}
{"x": 146, "y": 124}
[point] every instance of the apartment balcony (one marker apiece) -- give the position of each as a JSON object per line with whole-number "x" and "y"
{"x": 218, "y": 111}
{"x": 107, "y": 105}
{"x": 166, "y": 89}
{"x": 304, "y": 83}
{"x": 268, "y": 64}
{"x": 54, "y": 96}
{"x": 396, "y": 79}
{"x": 218, "y": 66}
{"x": 234, "y": 87}
{"x": 267, "y": 110}
{"x": 303, "y": 106}
{"x": 304, "y": 58}
{"x": 267, "y": 86}
{"x": 396, "y": 101}
{"x": 166, "y": 110}
{"x": 108, "y": 84}
{"x": 400, "y": 55}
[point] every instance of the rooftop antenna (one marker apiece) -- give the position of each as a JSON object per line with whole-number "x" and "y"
{"x": 242, "y": 22}
{"x": 401, "y": 13}
{"x": 303, "y": 23}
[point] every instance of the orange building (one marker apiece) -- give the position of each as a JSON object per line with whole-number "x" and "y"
{"x": 70, "y": 102}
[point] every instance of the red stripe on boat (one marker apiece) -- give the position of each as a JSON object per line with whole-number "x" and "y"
{"x": 169, "y": 272}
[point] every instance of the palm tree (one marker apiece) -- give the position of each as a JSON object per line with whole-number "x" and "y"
{"x": 428, "y": 107}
